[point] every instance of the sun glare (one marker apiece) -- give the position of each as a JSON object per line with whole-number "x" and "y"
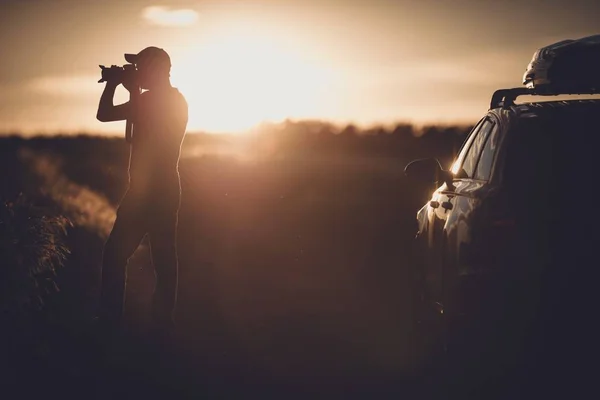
{"x": 236, "y": 81}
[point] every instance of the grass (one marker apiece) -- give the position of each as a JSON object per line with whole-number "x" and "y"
{"x": 294, "y": 250}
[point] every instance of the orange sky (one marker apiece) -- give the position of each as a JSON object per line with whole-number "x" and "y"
{"x": 242, "y": 62}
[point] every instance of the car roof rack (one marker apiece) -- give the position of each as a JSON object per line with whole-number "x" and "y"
{"x": 505, "y": 98}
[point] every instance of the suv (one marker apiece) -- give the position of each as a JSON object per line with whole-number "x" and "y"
{"x": 507, "y": 233}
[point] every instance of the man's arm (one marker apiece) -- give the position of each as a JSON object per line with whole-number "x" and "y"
{"x": 107, "y": 111}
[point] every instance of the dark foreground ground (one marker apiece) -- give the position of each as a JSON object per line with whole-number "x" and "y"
{"x": 294, "y": 282}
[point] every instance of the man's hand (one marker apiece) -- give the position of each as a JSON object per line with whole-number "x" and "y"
{"x": 107, "y": 111}
{"x": 131, "y": 86}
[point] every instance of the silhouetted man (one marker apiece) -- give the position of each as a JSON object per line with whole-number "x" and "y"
{"x": 150, "y": 206}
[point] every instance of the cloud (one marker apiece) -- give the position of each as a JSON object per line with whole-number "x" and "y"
{"x": 166, "y": 16}
{"x": 75, "y": 85}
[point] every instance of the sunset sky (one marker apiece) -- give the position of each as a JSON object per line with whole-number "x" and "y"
{"x": 242, "y": 62}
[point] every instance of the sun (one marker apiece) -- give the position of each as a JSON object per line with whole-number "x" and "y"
{"x": 237, "y": 81}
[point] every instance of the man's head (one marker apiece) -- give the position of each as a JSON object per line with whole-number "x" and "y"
{"x": 153, "y": 65}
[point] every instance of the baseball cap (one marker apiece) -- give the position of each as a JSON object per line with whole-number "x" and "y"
{"x": 150, "y": 56}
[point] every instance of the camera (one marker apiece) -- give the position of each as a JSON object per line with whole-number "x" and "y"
{"x": 115, "y": 73}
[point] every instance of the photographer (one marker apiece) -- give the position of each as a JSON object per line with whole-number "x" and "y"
{"x": 156, "y": 123}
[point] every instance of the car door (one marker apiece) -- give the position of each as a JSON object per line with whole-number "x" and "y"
{"x": 464, "y": 207}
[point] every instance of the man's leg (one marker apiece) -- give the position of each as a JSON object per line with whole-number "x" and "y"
{"x": 125, "y": 237}
{"x": 163, "y": 244}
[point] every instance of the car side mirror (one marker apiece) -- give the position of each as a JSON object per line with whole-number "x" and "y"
{"x": 428, "y": 170}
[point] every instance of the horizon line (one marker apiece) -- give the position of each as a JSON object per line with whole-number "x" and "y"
{"x": 338, "y": 126}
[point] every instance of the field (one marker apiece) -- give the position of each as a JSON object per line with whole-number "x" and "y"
{"x": 294, "y": 249}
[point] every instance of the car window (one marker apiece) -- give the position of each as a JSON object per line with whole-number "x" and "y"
{"x": 467, "y": 169}
{"x": 551, "y": 159}
{"x": 486, "y": 160}
{"x": 532, "y": 153}
{"x": 465, "y": 147}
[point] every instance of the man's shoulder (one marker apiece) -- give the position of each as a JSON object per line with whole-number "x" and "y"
{"x": 171, "y": 96}
{"x": 179, "y": 95}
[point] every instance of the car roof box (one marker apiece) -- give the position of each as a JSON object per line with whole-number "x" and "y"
{"x": 568, "y": 66}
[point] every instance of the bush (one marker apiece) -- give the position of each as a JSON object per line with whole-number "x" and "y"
{"x": 32, "y": 249}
